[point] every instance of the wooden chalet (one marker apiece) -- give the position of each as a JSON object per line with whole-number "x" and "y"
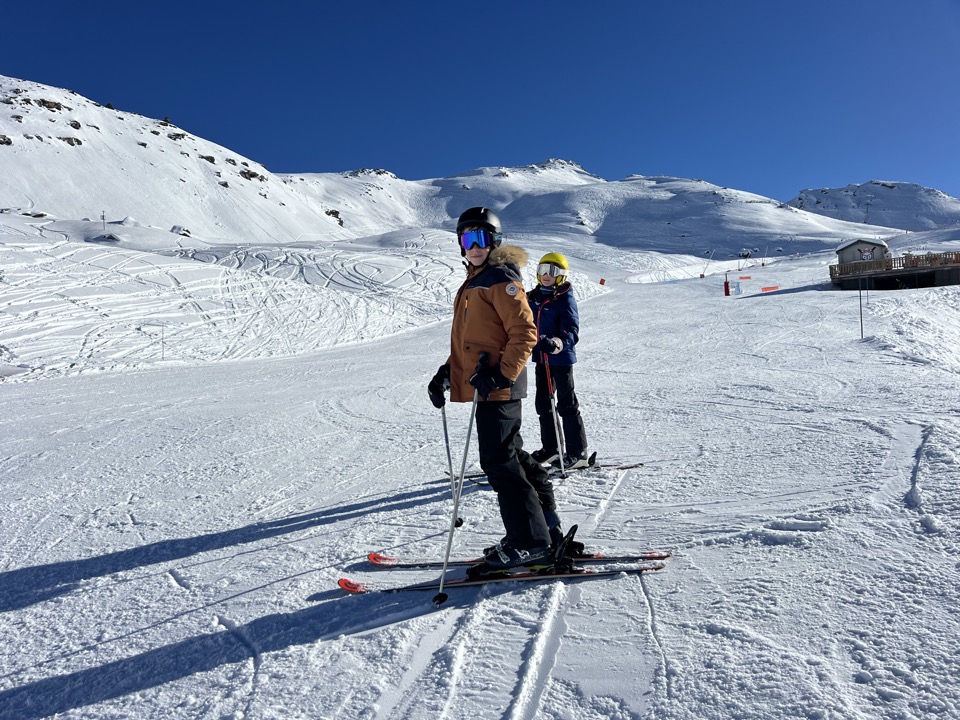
{"x": 868, "y": 265}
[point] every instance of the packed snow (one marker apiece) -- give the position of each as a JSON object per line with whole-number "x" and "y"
{"x": 205, "y": 426}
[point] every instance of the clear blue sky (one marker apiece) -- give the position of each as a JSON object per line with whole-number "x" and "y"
{"x": 760, "y": 95}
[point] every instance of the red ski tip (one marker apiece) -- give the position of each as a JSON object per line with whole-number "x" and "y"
{"x": 352, "y": 587}
{"x": 378, "y": 559}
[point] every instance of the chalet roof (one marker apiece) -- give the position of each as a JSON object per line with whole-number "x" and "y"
{"x": 851, "y": 243}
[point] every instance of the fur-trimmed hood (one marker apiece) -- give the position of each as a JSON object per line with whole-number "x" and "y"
{"x": 503, "y": 255}
{"x": 508, "y": 254}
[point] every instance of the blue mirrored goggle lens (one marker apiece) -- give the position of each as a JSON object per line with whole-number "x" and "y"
{"x": 481, "y": 238}
{"x": 550, "y": 269}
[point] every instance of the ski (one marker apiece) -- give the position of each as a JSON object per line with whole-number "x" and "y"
{"x": 385, "y": 561}
{"x": 359, "y": 588}
{"x": 555, "y": 471}
{"x": 480, "y": 478}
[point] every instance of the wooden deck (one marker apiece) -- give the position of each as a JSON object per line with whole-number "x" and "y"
{"x": 894, "y": 265}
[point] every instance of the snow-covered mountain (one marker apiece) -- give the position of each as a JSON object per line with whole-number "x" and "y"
{"x": 73, "y": 158}
{"x": 893, "y": 204}
{"x": 173, "y": 530}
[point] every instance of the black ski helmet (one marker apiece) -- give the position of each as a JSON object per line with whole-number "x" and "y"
{"x": 480, "y": 217}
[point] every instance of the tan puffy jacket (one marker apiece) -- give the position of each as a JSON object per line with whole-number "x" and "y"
{"x": 491, "y": 314}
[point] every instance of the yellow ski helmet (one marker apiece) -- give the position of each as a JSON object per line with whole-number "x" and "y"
{"x": 558, "y": 261}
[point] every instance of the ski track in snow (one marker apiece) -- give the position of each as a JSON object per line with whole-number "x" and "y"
{"x": 242, "y": 303}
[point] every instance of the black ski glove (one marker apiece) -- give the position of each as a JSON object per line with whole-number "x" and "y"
{"x": 486, "y": 379}
{"x": 549, "y": 345}
{"x": 437, "y": 386}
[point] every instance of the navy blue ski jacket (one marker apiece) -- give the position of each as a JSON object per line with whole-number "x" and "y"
{"x": 555, "y": 315}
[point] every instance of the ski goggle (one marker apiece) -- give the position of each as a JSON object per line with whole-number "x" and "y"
{"x": 550, "y": 270}
{"x": 481, "y": 238}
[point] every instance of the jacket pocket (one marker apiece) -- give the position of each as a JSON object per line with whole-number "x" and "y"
{"x": 473, "y": 350}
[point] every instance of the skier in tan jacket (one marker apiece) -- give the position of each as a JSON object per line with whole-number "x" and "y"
{"x": 491, "y": 339}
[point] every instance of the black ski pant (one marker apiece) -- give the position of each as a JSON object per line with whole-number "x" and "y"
{"x": 568, "y": 408}
{"x": 503, "y": 459}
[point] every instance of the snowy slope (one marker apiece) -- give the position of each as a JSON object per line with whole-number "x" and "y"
{"x": 212, "y": 257}
{"x": 174, "y": 528}
{"x": 173, "y": 536}
{"x": 895, "y": 204}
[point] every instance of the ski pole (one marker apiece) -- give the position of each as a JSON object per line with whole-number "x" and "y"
{"x": 441, "y": 596}
{"x": 446, "y": 439}
{"x": 553, "y": 408}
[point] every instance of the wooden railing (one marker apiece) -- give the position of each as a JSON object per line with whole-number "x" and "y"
{"x": 905, "y": 262}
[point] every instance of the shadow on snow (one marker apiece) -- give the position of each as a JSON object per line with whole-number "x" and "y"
{"x": 329, "y": 621}
{"x": 335, "y": 617}
{"x": 26, "y": 586}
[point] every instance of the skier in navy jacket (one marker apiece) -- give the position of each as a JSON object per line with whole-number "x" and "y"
{"x": 558, "y": 329}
